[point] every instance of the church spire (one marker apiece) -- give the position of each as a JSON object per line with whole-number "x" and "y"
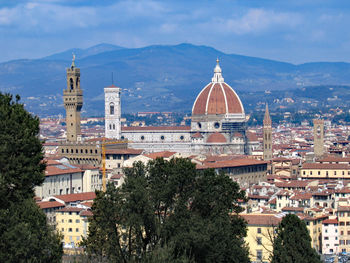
{"x": 267, "y": 119}
{"x": 217, "y": 73}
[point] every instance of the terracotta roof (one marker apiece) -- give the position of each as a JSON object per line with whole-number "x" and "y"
{"x": 330, "y": 221}
{"x": 335, "y": 159}
{"x": 157, "y": 128}
{"x": 124, "y": 151}
{"x": 70, "y": 209}
{"x": 321, "y": 166}
{"x": 231, "y": 163}
{"x": 164, "y": 154}
{"x": 262, "y": 219}
{"x": 77, "y": 197}
{"x": 302, "y": 196}
{"x": 51, "y": 162}
{"x": 116, "y": 176}
{"x": 343, "y": 191}
{"x": 85, "y": 167}
{"x": 216, "y": 138}
{"x": 293, "y": 184}
{"x": 86, "y": 213}
{"x": 217, "y": 98}
{"x": 251, "y": 196}
{"x": 197, "y": 135}
{"x": 296, "y": 209}
{"x": 61, "y": 169}
{"x": 50, "y": 204}
{"x": 252, "y": 136}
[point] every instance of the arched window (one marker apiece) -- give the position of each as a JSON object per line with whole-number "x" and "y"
{"x": 71, "y": 83}
{"x": 113, "y": 126}
{"x": 111, "y": 108}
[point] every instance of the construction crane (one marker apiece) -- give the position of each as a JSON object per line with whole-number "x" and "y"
{"x": 104, "y": 144}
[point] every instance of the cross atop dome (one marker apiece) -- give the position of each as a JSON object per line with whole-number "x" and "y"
{"x": 217, "y": 73}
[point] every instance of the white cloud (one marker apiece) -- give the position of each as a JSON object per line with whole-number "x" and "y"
{"x": 259, "y": 20}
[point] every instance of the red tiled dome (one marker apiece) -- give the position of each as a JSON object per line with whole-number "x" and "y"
{"x": 217, "y": 98}
{"x": 216, "y": 138}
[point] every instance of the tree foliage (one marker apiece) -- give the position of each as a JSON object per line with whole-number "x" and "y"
{"x": 24, "y": 233}
{"x": 168, "y": 210}
{"x": 293, "y": 242}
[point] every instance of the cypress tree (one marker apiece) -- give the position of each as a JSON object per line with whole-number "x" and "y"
{"x": 293, "y": 242}
{"x": 24, "y": 233}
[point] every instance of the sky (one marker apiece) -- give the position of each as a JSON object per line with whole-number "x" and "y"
{"x": 295, "y": 31}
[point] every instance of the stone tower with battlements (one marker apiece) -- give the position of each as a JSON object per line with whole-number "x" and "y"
{"x": 267, "y": 133}
{"x": 73, "y": 102}
{"x": 112, "y": 112}
{"x": 318, "y": 137}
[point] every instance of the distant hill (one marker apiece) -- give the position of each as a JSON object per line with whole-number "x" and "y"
{"x": 156, "y": 78}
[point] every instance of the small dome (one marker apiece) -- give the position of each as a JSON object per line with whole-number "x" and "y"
{"x": 217, "y": 98}
{"x": 216, "y": 138}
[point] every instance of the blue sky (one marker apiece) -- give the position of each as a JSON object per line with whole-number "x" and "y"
{"x": 294, "y": 31}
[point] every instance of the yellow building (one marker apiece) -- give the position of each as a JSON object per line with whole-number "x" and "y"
{"x": 343, "y": 214}
{"x": 314, "y": 226}
{"x": 73, "y": 223}
{"x": 325, "y": 171}
{"x": 260, "y": 235}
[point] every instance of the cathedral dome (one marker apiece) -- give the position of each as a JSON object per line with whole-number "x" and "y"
{"x": 217, "y": 98}
{"x": 216, "y": 138}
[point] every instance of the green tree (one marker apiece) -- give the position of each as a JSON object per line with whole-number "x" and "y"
{"x": 24, "y": 233}
{"x": 169, "y": 210}
{"x": 293, "y": 242}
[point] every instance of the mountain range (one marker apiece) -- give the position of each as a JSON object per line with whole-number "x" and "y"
{"x": 156, "y": 78}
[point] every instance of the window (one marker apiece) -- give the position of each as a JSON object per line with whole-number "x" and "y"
{"x": 111, "y": 108}
{"x": 62, "y": 229}
{"x": 319, "y": 172}
{"x": 62, "y": 220}
{"x": 258, "y": 240}
{"x": 142, "y": 137}
{"x": 182, "y": 137}
{"x": 77, "y": 221}
{"x": 259, "y": 255}
{"x": 259, "y": 230}
{"x": 77, "y": 230}
{"x": 326, "y": 238}
{"x": 162, "y": 137}
{"x": 69, "y": 230}
{"x": 217, "y": 125}
{"x": 70, "y": 221}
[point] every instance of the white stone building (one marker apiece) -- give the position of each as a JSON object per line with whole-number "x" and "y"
{"x": 218, "y": 125}
{"x": 112, "y": 112}
{"x": 63, "y": 178}
{"x": 330, "y": 236}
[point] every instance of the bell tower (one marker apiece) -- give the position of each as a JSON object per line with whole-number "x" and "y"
{"x": 267, "y": 132}
{"x": 318, "y": 137}
{"x": 73, "y": 102}
{"x": 112, "y": 112}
